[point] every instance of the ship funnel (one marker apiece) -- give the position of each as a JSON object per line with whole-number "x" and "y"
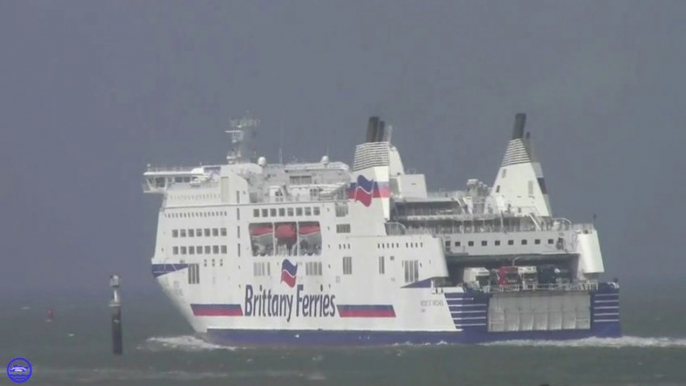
{"x": 371, "y": 129}
{"x": 380, "y": 131}
{"x": 520, "y": 122}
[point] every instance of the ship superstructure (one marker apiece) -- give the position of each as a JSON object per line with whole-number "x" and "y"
{"x": 323, "y": 253}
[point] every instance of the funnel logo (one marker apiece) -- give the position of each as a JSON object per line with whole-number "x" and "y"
{"x": 364, "y": 190}
{"x": 288, "y": 272}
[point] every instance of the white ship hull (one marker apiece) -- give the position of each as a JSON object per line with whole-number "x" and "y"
{"x": 319, "y": 254}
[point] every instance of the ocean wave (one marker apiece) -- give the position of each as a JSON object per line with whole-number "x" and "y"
{"x": 97, "y": 376}
{"x": 626, "y": 341}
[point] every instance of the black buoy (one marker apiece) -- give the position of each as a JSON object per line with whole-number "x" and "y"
{"x": 115, "y": 307}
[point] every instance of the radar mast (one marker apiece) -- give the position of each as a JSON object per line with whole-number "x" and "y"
{"x": 243, "y": 130}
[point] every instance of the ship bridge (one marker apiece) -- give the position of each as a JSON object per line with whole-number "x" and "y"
{"x": 160, "y": 179}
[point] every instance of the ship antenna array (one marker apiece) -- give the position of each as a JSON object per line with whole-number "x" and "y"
{"x": 237, "y": 136}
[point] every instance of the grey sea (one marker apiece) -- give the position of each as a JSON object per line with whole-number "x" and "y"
{"x": 160, "y": 349}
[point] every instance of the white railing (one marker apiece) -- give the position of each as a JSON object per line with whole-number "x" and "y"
{"x": 170, "y": 168}
{"x": 582, "y": 286}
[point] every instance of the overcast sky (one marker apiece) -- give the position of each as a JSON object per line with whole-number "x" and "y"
{"x": 92, "y": 91}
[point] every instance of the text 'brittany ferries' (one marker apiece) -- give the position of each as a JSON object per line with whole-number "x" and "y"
{"x": 271, "y": 304}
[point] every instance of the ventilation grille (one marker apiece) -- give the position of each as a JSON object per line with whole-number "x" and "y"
{"x": 516, "y": 153}
{"x": 371, "y": 154}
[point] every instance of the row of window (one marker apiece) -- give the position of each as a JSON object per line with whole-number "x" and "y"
{"x": 193, "y": 273}
{"x": 484, "y": 243}
{"x": 313, "y": 268}
{"x": 347, "y": 265}
{"x": 261, "y": 269}
{"x": 199, "y": 250}
{"x": 343, "y": 246}
{"x": 196, "y": 214}
{"x": 283, "y": 212}
{"x": 397, "y": 245}
{"x": 343, "y": 228}
{"x": 207, "y": 232}
{"x": 411, "y": 270}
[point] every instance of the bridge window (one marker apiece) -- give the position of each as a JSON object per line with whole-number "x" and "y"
{"x": 497, "y": 242}
{"x": 207, "y": 232}
{"x": 524, "y": 242}
{"x": 551, "y": 241}
{"x": 183, "y": 233}
{"x": 215, "y": 249}
{"x": 537, "y": 241}
{"x": 208, "y": 249}
{"x": 347, "y": 265}
{"x": 256, "y": 213}
{"x": 471, "y": 243}
{"x": 484, "y": 243}
{"x": 298, "y": 211}
{"x": 265, "y": 212}
{"x": 290, "y": 211}
{"x": 343, "y": 228}
{"x": 316, "y": 211}
{"x": 457, "y": 243}
{"x": 223, "y": 231}
{"x": 282, "y": 212}
{"x": 191, "y": 233}
{"x": 224, "y": 250}
{"x": 191, "y": 251}
{"x": 510, "y": 242}
{"x": 198, "y": 250}
{"x": 175, "y": 233}
{"x": 215, "y": 232}
{"x": 183, "y": 250}
{"x": 198, "y": 232}
{"x": 272, "y": 212}
{"x": 176, "y": 250}
{"x": 308, "y": 211}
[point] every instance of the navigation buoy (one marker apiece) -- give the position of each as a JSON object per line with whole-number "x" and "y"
{"x": 115, "y": 307}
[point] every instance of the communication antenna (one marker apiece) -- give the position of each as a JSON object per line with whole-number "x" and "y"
{"x": 281, "y": 141}
{"x": 237, "y": 136}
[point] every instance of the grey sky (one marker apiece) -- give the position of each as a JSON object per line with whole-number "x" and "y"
{"x": 91, "y": 91}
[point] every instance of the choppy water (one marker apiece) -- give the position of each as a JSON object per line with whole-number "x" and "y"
{"x": 161, "y": 350}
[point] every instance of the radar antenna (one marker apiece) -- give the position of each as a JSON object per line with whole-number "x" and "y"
{"x": 237, "y": 135}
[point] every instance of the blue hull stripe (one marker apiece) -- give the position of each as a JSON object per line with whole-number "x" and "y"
{"x": 163, "y": 269}
{"x": 363, "y": 338}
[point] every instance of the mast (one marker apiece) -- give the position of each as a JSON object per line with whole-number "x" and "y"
{"x": 243, "y": 130}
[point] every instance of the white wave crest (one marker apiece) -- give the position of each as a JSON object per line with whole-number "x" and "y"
{"x": 183, "y": 343}
{"x": 626, "y": 341}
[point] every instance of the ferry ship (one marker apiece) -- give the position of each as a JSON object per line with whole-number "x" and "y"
{"x": 258, "y": 253}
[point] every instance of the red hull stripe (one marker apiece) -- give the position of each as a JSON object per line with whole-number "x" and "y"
{"x": 217, "y": 309}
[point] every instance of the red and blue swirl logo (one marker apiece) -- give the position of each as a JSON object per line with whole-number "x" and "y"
{"x": 365, "y": 190}
{"x": 288, "y": 273}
